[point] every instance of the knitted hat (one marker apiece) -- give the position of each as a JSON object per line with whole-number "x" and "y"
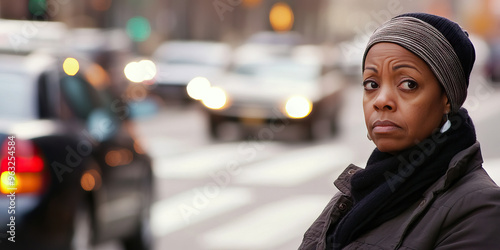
{"x": 441, "y": 43}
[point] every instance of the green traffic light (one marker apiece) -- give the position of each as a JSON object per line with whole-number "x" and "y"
{"x": 37, "y": 7}
{"x": 138, "y": 29}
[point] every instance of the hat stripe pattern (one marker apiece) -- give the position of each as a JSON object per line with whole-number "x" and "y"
{"x": 425, "y": 41}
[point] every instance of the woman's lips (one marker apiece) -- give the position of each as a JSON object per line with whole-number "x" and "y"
{"x": 380, "y": 127}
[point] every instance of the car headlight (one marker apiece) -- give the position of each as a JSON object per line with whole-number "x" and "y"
{"x": 71, "y": 66}
{"x": 148, "y": 69}
{"x": 198, "y": 87}
{"x": 132, "y": 72}
{"x": 214, "y": 98}
{"x": 298, "y": 107}
{"x": 144, "y": 70}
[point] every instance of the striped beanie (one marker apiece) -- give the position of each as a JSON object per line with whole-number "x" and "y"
{"x": 441, "y": 43}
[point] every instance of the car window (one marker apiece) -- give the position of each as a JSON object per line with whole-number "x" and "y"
{"x": 17, "y": 97}
{"x": 80, "y": 96}
{"x": 208, "y": 55}
{"x": 287, "y": 70}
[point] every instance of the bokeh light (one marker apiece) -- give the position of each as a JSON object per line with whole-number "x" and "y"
{"x": 71, "y": 66}
{"x": 198, "y": 87}
{"x": 87, "y": 182}
{"x": 133, "y": 72}
{"x": 37, "y": 7}
{"x": 118, "y": 157}
{"x": 138, "y": 29}
{"x": 144, "y": 70}
{"x": 5, "y": 184}
{"x": 215, "y": 98}
{"x": 148, "y": 68}
{"x": 281, "y": 17}
{"x": 97, "y": 76}
{"x": 91, "y": 180}
{"x": 298, "y": 107}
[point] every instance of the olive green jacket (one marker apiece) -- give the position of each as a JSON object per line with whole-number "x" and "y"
{"x": 460, "y": 211}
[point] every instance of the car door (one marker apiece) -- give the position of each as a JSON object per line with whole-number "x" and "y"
{"x": 117, "y": 196}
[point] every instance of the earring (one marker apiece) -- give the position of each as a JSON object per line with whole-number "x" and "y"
{"x": 368, "y": 136}
{"x": 446, "y": 125}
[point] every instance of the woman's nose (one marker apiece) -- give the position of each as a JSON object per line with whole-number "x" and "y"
{"x": 384, "y": 101}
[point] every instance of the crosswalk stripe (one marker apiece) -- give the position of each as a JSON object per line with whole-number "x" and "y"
{"x": 194, "y": 206}
{"x": 161, "y": 146}
{"x": 268, "y": 226}
{"x": 296, "y": 167}
{"x": 202, "y": 162}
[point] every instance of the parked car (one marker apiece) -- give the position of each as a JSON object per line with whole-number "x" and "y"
{"x": 179, "y": 62}
{"x": 290, "y": 38}
{"x": 80, "y": 176}
{"x": 271, "y": 84}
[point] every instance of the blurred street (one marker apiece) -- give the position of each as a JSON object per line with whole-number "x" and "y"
{"x": 276, "y": 191}
{"x": 276, "y": 188}
{"x": 205, "y": 125}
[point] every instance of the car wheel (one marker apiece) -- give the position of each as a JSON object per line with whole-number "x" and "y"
{"x": 142, "y": 237}
{"x": 214, "y": 127}
{"x": 82, "y": 237}
{"x": 309, "y": 133}
{"x": 334, "y": 126}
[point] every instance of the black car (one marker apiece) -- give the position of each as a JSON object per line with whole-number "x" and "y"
{"x": 72, "y": 173}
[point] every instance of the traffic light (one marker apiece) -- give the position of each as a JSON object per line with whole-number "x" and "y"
{"x": 281, "y": 17}
{"x": 138, "y": 29}
{"x": 37, "y": 9}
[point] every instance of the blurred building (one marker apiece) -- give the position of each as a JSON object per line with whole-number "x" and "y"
{"x": 229, "y": 20}
{"x": 233, "y": 21}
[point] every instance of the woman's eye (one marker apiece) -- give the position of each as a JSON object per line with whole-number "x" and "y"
{"x": 408, "y": 85}
{"x": 369, "y": 85}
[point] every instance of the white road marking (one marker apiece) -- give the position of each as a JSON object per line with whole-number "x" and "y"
{"x": 268, "y": 226}
{"x": 296, "y": 167}
{"x": 202, "y": 162}
{"x": 195, "y": 206}
{"x": 162, "y": 146}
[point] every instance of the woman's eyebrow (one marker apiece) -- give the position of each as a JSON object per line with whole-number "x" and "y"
{"x": 399, "y": 66}
{"x": 372, "y": 68}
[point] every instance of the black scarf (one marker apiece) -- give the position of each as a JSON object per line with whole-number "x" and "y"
{"x": 390, "y": 184}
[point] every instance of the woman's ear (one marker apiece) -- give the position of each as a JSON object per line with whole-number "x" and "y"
{"x": 446, "y": 104}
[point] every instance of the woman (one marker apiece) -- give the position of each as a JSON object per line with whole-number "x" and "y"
{"x": 423, "y": 186}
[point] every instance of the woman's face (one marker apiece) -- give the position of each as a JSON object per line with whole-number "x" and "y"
{"x": 403, "y": 101}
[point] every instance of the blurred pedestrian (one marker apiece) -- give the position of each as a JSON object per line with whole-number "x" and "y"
{"x": 423, "y": 186}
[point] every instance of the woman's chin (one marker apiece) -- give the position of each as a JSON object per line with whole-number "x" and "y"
{"x": 389, "y": 145}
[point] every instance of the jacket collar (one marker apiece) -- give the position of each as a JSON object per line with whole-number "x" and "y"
{"x": 343, "y": 182}
{"x": 459, "y": 165}
{"x": 465, "y": 161}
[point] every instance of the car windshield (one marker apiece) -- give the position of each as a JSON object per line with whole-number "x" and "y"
{"x": 287, "y": 70}
{"x": 191, "y": 54}
{"x": 16, "y": 97}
